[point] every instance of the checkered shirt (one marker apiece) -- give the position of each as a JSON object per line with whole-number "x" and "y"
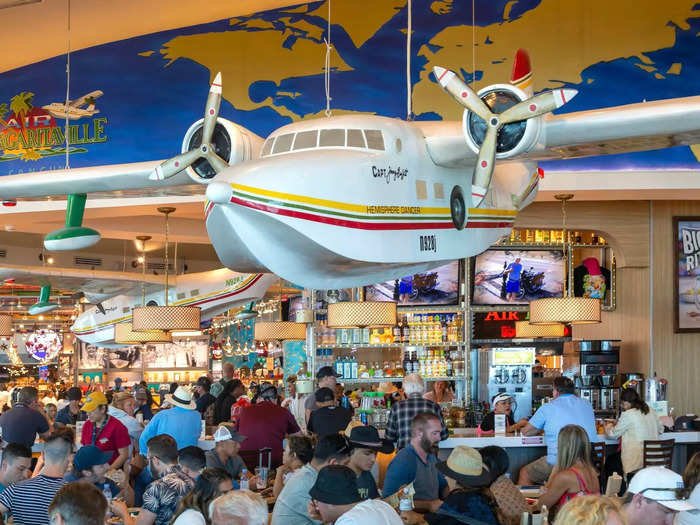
{"x": 398, "y": 428}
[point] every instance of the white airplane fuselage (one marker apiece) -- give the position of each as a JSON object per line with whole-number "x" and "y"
{"x": 339, "y": 216}
{"x": 214, "y": 292}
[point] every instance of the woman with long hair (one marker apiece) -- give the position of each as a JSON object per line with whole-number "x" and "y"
{"x": 575, "y": 474}
{"x": 636, "y": 424}
{"x": 194, "y": 507}
{"x": 691, "y": 482}
{"x": 440, "y": 392}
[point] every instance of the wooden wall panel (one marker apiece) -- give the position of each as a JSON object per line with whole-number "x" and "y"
{"x": 676, "y": 356}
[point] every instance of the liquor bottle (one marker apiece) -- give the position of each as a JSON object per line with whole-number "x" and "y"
{"x": 344, "y": 336}
{"x": 404, "y": 330}
{"x": 411, "y": 328}
{"x": 443, "y": 328}
{"x": 354, "y": 372}
{"x": 365, "y": 336}
{"x": 362, "y": 371}
{"x": 356, "y": 336}
{"x": 396, "y": 332}
{"x": 347, "y": 368}
{"x": 407, "y": 366}
{"x": 388, "y": 370}
{"x": 378, "y": 371}
{"x": 448, "y": 364}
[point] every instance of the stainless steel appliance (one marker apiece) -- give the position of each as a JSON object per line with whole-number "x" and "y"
{"x": 508, "y": 370}
{"x": 598, "y": 382}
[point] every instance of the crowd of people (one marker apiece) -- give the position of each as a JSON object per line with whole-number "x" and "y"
{"x": 308, "y": 460}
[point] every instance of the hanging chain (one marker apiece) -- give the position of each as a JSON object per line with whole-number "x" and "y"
{"x": 327, "y": 74}
{"x": 167, "y": 231}
{"x": 67, "y": 91}
{"x": 409, "y": 29}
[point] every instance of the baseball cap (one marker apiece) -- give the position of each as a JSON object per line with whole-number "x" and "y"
{"x": 93, "y": 401}
{"x": 324, "y": 395}
{"x": 90, "y": 456}
{"x": 662, "y": 486}
{"x": 224, "y": 433}
{"x": 74, "y": 394}
{"x": 326, "y": 371}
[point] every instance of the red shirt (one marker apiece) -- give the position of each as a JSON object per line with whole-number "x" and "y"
{"x": 266, "y": 424}
{"x": 112, "y": 436}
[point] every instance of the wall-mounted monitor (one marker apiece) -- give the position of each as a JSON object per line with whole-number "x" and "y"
{"x": 439, "y": 286}
{"x": 504, "y": 276}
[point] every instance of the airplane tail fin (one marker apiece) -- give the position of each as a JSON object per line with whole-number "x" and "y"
{"x": 521, "y": 76}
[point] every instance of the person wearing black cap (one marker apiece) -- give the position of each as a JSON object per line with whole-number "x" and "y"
{"x": 469, "y": 497}
{"x": 328, "y": 418}
{"x": 326, "y": 377}
{"x": 291, "y": 507}
{"x": 365, "y": 443}
{"x": 266, "y": 424}
{"x": 71, "y": 413}
{"x": 335, "y": 499}
{"x": 205, "y": 398}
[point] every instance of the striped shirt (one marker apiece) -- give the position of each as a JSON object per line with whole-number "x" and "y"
{"x": 28, "y": 501}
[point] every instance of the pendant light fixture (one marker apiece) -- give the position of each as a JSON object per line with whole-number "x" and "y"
{"x": 5, "y": 325}
{"x": 566, "y": 309}
{"x": 523, "y": 329}
{"x": 362, "y": 314}
{"x": 166, "y": 318}
{"x": 123, "y": 332}
{"x": 267, "y": 331}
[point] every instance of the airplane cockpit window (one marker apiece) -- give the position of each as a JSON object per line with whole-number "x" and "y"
{"x": 374, "y": 139}
{"x": 267, "y": 147}
{"x": 283, "y": 143}
{"x": 356, "y": 139}
{"x": 306, "y": 139}
{"x": 332, "y": 137}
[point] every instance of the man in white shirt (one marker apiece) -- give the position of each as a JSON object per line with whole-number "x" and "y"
{"x": 335, "y": 499}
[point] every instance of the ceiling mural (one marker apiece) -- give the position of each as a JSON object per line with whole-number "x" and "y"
{"x": 133, "y": 100}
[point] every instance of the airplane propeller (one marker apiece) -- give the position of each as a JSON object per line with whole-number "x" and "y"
{"x": 526, "y": 109}
{"x": 206, "y": 151}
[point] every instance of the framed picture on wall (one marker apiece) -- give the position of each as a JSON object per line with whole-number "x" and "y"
{"x": 686, "y": 244}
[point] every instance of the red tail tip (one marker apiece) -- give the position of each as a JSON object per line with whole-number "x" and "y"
{"x": 521, "y": 65}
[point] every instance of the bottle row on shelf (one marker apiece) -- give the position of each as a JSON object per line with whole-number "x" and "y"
{"x": 412, "y": 328}
{"x": 554, "y": 237}
{"x": 428, "y": 362}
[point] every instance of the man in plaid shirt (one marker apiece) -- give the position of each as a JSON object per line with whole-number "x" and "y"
{"x": 398, "y": 428}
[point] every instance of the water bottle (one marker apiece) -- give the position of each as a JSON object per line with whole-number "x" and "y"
{"x": 245, "y": 484}
{"x": 405, "y": 503}
{"x": 107, "y": 492}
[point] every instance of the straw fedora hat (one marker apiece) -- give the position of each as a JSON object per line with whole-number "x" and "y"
{"x": 465, "y": 465}
{"x": 181, "y": 398}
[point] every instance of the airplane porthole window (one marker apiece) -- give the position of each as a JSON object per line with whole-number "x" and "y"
{"x": 398, "y": 145}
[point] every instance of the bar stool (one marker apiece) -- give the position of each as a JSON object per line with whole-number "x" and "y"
{"x": 659, "y": 453}
{"x": 598, "y": 460}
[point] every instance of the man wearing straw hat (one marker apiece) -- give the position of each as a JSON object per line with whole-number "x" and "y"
{"x": 182, "y": 421}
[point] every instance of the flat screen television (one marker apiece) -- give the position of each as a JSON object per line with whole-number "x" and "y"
{"x": 439, "y": 286}
{"x": 504, "y": 276}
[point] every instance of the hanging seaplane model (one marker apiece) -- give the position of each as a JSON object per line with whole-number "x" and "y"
{"x": 350, "y": 200}
{"x": 114, "y": 294}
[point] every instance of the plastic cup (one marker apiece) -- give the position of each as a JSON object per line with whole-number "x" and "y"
{"x": 261, "y": 475}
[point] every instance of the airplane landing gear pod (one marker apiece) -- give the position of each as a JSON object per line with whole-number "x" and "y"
{"x": 74, "y": 236}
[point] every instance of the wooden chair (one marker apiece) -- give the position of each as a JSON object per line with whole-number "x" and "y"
{"x": 598, "y": 460}
{"x": 658, "y": 453}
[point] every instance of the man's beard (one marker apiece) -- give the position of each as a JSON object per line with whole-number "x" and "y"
{"x": 428, "y": 446}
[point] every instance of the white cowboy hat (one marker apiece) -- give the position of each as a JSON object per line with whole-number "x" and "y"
{"x": 181, "y": 398}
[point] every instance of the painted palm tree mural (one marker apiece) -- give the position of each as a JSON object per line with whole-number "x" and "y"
{"x": 21, "y": 106}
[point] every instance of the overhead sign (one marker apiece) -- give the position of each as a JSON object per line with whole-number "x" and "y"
{"x": 496, "y": 324}
{"x": 513, "y": 356}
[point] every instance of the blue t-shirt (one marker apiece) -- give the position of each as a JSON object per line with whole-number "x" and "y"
{"x": 407, "y": 467}
{"x": 21, "y": 424}
{"x": 567, "y": 409}
{"x": 517, "y": 269}
{"x": 182, "y": 424}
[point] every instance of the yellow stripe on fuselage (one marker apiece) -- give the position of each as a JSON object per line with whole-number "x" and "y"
{"x": 358, "y": 208}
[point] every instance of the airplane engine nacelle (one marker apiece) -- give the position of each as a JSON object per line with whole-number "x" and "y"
{"x": 513, "y": 138}
{"x": 231, "y": 142}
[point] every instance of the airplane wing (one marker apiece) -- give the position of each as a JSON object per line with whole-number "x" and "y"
{"x": 117, "y": 180}
{"x": 98, "y": 285}
{"x": 621, "y": 129}
{"x": 84, "y": 99}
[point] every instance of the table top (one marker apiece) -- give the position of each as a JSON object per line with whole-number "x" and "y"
{"x": 511, "y": 441}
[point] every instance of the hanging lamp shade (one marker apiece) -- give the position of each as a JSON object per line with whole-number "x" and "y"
{"x": 165, "y": 318}
{"x": 124, "y": 335}
{"x": 525, "y": 329}
{"x": 279, "y": 331}
{"x": 5, "y": 325}
{"x": 574, "y": 310}
{"x": 364, "y": 314}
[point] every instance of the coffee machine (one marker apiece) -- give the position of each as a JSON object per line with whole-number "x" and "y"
{"x": 509, "y": 370}
{"x": 598, "y": 381}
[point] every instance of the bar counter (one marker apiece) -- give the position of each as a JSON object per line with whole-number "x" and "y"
{"x": 523, "y": 449}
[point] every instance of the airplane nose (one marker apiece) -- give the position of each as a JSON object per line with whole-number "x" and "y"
{"x": 219, "y": 192}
